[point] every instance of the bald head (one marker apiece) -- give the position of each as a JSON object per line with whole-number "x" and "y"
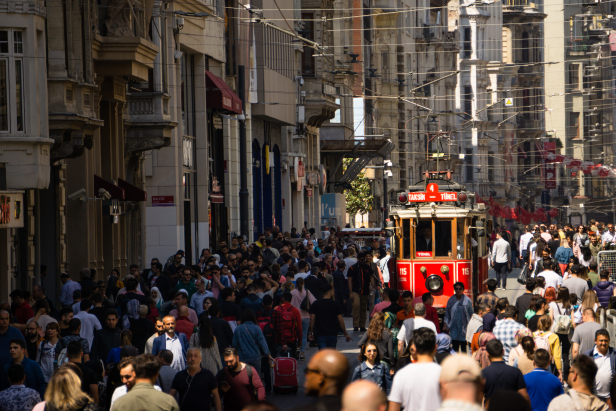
{"x": 332, "y": 375}
{"x": 183, "y": 311}
{"x": 363, "y": 395}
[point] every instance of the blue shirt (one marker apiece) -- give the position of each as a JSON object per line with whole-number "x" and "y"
{"x": 34, "y": 376}
{"x": 5, "y": 339}
{"x": 66, "y": 295}
{"x": 18, "y": 398}
{"x": 249, "y": 341}
{"x": 542, "y": 388}
{"x": 196, "y": 301}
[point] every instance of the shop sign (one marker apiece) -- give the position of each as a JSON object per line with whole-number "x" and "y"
{"x": 11, "y": 210}
{"x": 162, "y": 201}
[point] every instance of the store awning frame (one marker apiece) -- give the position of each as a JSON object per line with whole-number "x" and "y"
{"x": 219, "y": 95}
{"x": 116, "y": 192}
{"x": 131, "y": 192}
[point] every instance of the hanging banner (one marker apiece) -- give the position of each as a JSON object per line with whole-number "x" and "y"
{"x": 252, "y": 91}
{"x": 549, "y": 169}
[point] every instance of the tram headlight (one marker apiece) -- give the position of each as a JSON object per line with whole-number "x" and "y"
{"x": 403, "y": 198}
{"x": 434, "y": 283}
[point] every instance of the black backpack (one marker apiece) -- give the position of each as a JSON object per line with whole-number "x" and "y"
{"x": 269, "y": 257}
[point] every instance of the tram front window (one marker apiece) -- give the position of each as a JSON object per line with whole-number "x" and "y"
{"x": 441, "y": 238}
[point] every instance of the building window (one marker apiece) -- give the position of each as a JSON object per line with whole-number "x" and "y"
{"x": 467, "y": 43}
{"x": 525, "y": 50}
{"x": 468, "y": 160}
{"x": 336, "y": 119}
{"x": 307, "y": 57}
{"x": 385, "y": 65}
{"x": 11, "y": 81}
{"x": 490, "y": 167}
{"x": 188, "y": 94}
{"x": 574, "y": 125}
{"x": 574, "y": 76}
{"x": 468, "y": 102}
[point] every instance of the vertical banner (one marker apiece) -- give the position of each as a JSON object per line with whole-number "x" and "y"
{"x": 252, "y": 91}
{"x": 549, "y": 168}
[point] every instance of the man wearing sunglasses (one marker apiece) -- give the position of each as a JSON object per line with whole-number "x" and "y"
{"x": 326, "y": 376}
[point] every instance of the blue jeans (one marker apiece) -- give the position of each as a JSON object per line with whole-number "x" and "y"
{"x": 305, "y": 326}
{"x": 327, "y": 341}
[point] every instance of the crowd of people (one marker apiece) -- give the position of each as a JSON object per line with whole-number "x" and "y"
{"x": 179, "y": 336}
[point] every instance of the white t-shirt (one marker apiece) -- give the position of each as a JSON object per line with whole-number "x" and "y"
{"x": 603, "y": 379}
{"x": 416, "y": 387}
{"x": 121, "y": 391}
{"x": 419, "y": 323}
{"x": 551, "y": 279}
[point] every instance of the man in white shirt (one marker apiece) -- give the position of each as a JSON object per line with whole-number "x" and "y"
{"x": 349, "y": 261}
{"x": 128, "y": 376}
{"x": 89, "y": 322}
{"x": 416, "y": 386}
{"x": 524, "y": 240}
{"x": 609, "y": 237}
{"x": 501, "y": 260}
{"x": 602, "y": 355}
{"x": 551, "y": 278}
{"x": 418, "y": 322}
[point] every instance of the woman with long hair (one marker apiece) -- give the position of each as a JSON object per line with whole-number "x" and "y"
{"x": 581, "y": 241}
{"x": 49, "y": 350}
{"x": 64, "y": 393}
{"x": 481, "y": 355}
{"x": 205, "y": 341}
{"x": 550, "y": 294}
{"x": 298, "y": 296}
{"x": 532, "y": 308}
{"x": 209, "y": 302}
{"x": 372, "y": 368}
{"x": 525, "y": 362}
{"x": 552, "y": 340}
{"x": 539, "y": 286}
{"x": 589, "y": 300}
{"x": 126, "y": 338}
{"x": 563, "y": 254}
{"x": 380, "y": 335}
{"x": 518, "y": 350}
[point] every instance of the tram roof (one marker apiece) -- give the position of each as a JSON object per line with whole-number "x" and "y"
{"x": 443, "y": 210}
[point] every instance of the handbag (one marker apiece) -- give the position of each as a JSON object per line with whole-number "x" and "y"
{"x": 305, "y": 305}
{"x": 523, "y": 276}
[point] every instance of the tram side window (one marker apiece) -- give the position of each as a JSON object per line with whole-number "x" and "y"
{"x": 406, "y": 239}
{"x": 460, "y": 239}
{"x": 442, "y": 236}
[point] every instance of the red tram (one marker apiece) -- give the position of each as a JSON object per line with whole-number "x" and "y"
{"x": 438, "y": 238}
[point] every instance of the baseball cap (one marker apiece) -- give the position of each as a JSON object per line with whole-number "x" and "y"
{"x": 16, "y": 293}
{"x": 460, "y": 368}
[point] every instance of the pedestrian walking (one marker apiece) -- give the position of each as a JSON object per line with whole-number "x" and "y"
{"x": 166, "y": 373}
{"x": 107, "y": 338}
{"x": 542, "y": 385}
{"x": 363, "y": 395}
{"x": 287, "y": 322}
{"x": 48, "y": 350}
{"x": 18, "y": 397}
{"x": 379, "y": 334}
{"x": 461, "y": 384}
{"x": 205, "y": 341}
{"x": 372, "y": 368}
{"x": 580, "y": 394}
{"x": 489, "y": 298}
{"x": 583, "y": 339}
{"x": 326, "y": 376}
{"x": 458, "y": 313}
{"x": 361, "y": 277}
{"x": 249, "y": 341}
{"x": 301, "y": 294}
{"x": 326, "y": 321}
{"x": 500, "y": 376}
{"x": 177, "y": 343}
{"x": 34, "y": 375}
{"x": 143, "y": 395}
{"x": 501, "y": 260}
{"x": 505, "y": 330}
{"x": 239, "y": 383}
{"x": 197, "y": 387}
{"x": 604, "y": 357}
{"x": 65, "y": 393}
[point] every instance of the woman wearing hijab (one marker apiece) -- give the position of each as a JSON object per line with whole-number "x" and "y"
{"x": 489, "y": 321}
{"x": 481, "y": 356}
{"x": 132, "y": 311}
{"x": 443, "y": 347}
{"x": 157, "y": 297}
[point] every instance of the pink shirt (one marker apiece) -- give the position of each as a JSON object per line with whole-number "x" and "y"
{"x": 297, "y": 299}
{"x": 380, "y": 307}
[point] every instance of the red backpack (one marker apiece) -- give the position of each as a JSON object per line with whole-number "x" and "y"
{"x": 288, "y": 326}
{"x": 264, "y": 321}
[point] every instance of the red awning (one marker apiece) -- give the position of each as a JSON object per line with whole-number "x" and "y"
{"x": 217, "y": 198}
{"x": 132, "y": 193}
{"x": 220, "y": 95}
{"x": 116, "y": 192}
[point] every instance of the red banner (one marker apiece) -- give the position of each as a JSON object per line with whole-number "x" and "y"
{"x": 549, "y": 168}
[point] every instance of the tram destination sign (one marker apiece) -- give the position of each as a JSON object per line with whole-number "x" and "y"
{"x": 432, "y": 194}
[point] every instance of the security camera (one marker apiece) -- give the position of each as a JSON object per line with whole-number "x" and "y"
{"x": 78, "y": 195}
{"x": 104, "y": 193}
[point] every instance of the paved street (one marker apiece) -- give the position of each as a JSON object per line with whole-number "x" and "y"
{"x": 288, "y": 401}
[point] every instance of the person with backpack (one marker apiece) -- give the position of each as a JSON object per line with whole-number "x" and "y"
{"x": 49, "y": 349}
{"x": 302, "y": 300}
{"x": 549, "y": 341}
{"x": 287, "y": 323}
{"x": 270, "y": 254}
{"x": 264, "y": 321}
{"x": 239, "y": 382}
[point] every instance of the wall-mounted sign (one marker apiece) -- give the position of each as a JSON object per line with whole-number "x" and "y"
{"x": 301, "y": 172}
{"x": 162, "y": 201}
{"x": 11, "y": 204}
{"x": 308, "y": 192}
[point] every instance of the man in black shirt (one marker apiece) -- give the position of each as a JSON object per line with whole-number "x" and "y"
{"x": 89, "y": 383}
{"x": 542, "y": 307}
{"x": 33, "y": 339}
{"x": 500, "y": 376}
{"x": 196, "y": 386}
{"x": 131, "y": 294}
{"x": 324, "y": 326}
{"x": 229, "y": 310}
{"x": 107, "y": 338}
{"x": 523, "y": 301}
{"x": 361, "y": 277}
